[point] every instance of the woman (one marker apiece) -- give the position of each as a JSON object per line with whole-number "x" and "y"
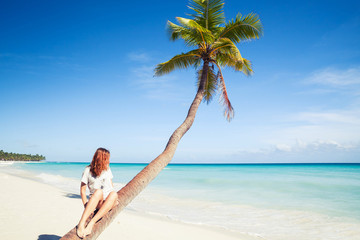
{"x": 98, "y": 177}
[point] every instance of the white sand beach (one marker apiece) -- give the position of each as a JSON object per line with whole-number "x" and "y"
{"x": 34, "y": 210}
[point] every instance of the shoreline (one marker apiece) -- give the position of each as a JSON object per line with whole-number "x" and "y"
{"x": 20, "y": 161}
{"x": 43, "y": 216}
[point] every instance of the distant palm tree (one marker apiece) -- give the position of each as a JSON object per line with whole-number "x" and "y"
{"x": 214, "y": 41}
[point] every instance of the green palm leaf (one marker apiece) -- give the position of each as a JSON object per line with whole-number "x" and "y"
{"x": 190, "y": 35}
{"x": 228, "y": 60}
{"x": 244, "y": 66}
{"x": 174, "y": 30}
{"x": 180, "y": 61}
{"x": 208, "y": 13}
{"x": 225, "y": 45}
{"x": 196, "y": 28}
{"x": 243, "y": 28}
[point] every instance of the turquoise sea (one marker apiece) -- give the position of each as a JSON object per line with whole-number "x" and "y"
{"x": 262, "y": 200}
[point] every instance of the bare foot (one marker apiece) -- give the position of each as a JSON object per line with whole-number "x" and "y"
{"x": 88, "y": 228}
{"x": 80, "y": 232}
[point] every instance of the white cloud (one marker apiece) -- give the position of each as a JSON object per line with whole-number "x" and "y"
{"x": 320, "y": 128}
{"x": 341, "y": 125}
{"x": 316, "y": 146}
{"x": 139, "y": 57}
{"x": 27, "y": 144}
{"x": 301, "y": 152}
{"x": 335, "y": 78}
{"x": 154, "y": 87}
{"x": 299, "y": 146}
{"x": 312, "y": 136}
{"x": 283, "y": 147}
{"x": 339, "y": 117}
{"x": 145, "y": 77}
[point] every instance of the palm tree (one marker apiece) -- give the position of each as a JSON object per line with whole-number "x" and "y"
{"x": 214, "y": 42}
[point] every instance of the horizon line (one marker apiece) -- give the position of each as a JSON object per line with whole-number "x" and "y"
{"x": 219, "y": 163}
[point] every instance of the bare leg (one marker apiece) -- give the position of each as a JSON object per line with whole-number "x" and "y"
{"x": 109, "y": 202}
{"x": 95, "y": 199}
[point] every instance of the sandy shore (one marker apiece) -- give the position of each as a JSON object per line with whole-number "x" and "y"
{"x": 34, "y": 210}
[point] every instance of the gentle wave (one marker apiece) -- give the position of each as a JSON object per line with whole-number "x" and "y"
{"x": 5, "y": 163}
{"x": 265, "y": 223}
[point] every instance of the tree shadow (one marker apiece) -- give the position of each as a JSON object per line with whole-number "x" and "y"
{"x": 48, "y": 237}
{"x": 72, "y": 195}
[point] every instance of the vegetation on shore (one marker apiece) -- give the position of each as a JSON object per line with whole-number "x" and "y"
{"x": 5, "y": 156}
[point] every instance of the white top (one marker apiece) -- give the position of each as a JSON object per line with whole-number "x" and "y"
{"x": 102, "y": 182}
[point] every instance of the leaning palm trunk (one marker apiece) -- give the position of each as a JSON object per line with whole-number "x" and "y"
{"x": 143, "y": 178}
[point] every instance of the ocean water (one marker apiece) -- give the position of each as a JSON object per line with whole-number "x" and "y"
{"x": 269, "y": 201}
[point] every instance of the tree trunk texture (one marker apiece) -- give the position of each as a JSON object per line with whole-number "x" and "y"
{"x": 143, "y": 178}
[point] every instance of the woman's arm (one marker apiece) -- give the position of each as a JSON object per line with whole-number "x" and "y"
{"x": 83, "y": 193}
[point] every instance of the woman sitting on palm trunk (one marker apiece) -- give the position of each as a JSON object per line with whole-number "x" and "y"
{"x": 98, "y": 177}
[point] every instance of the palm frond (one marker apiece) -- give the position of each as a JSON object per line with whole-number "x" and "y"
{"x": 208, "y": 13}
{"x": 244, "y": 66}
{"x": 225, "y": 45}
{"x": 243, "y": 28}
{"x": 190, "y": 36}
{"x": 197, "y": 63}
{"x": 224, "y": 59}
{"x": 179, "y": 61}
{"x": 174, "y": 30}
{"x": 211, "y": 83}
{"x": 193, "y": 26}
{"x": 224, "y": 98}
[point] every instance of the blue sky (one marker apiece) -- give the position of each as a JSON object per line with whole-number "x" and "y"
{"x": 76, "y": 75}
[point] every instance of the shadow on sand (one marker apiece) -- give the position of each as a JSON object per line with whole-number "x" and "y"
{"x": 48, "y": 237}
{"x": 72, "y": 195}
